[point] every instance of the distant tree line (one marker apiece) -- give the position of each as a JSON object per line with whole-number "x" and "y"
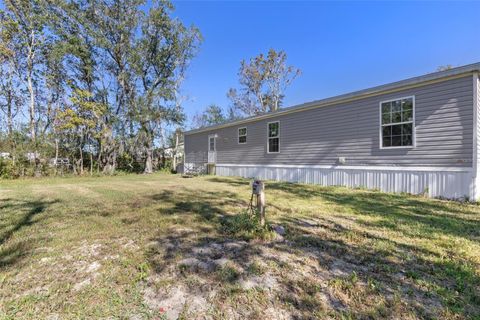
{"x": 93, "y": 81}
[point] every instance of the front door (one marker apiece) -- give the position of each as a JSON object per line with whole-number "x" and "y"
{"x": 212, "y": 149}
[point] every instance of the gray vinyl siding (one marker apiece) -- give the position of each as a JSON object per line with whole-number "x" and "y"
{"x": 319, "y": 136}
{"x": 196, "y": 147}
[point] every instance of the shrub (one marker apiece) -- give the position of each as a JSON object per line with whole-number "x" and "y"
{"x": 246, "y": 226}
{"x": 126, "y": 163}
{"x": 7, "y": 169}
{"x": 21, "y": 167}
{"x": 10, "y": 169}
{"x": 167, "y": 170}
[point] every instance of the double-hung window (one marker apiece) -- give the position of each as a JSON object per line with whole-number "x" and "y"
{"x": 242, "y": 135}
{"x": 273, "y": 145}
{"x": 397, "y": 123}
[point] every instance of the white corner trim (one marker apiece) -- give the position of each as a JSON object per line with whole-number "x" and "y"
{"x": 474, "y": 188}
{"x": 342, "y": 167}
{"x": 475, "y": 131}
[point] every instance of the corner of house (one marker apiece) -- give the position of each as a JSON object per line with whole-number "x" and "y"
{"x": 475, "y": 184}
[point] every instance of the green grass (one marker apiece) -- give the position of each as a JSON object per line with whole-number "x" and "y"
{"x": 144, "y": 247}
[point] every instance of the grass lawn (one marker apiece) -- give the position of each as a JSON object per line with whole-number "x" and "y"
{"x": 162, "y": 247}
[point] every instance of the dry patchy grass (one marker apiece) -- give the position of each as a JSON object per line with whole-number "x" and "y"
{"x": 155, "y": 247}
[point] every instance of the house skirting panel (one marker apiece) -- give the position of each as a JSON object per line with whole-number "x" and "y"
{"x": 451, "y": 183}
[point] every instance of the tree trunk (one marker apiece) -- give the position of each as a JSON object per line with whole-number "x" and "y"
{"x": 10, "y": 114}
{"x": 56, "y": 152}
{"x": 175, "y": 151}
{"x": 149, "y": 149}
{"x": 99, "y": 157}
{"x": 74, "y": 166}
{"x": 275, "y": 103}
{"x": 31, "y": 105}
{"x": 109, "y": 154}
{"x": 32, "y": 118}
{"x": 149, "y": 161}
{"x": 81, "y": 160}
{"x": 30, "y": 58}
{"x": 109, "y": 167}
{"x": 10, "y": 125}
{"x": 91, "y": 163}
{"x": 31, "y": 91}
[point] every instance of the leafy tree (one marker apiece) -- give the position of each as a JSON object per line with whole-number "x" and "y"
{"x": 11, "y": 95}
{"x": 263, "y": 81}
{"x": 60, "y": 60}
{"x": 78, "y": 124}
{"x": 107, "y": 32}
{"x": 212, "y": 115}
{"x": 164, "y": 45}
{"x": 25, "y": 21}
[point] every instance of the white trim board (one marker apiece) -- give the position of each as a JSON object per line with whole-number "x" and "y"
{"x": 475, "y": 190}
{"x": 331, "y": 167}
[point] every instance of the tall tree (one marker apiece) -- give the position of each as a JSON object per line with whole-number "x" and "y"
{"x": 10, "y": 88}
{"x": 79, "y": 50}
{"x": 26, "y": 19}
{"x": 263, "y": 80}
{"x": 67, "y": 55}
{"x": 56, "y": 80}
{"x": 164, "y": 47}
{"x": 111, "y": 27}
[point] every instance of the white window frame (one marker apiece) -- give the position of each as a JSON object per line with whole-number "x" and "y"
{"x": 268, "y": 137}
{"x": 380, "y": 134}
{"x": 238, "y": 135}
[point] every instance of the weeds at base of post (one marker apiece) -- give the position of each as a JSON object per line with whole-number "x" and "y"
{"x": 247, "y": 226}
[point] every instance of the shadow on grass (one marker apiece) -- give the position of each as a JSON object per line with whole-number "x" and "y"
{"x": 425, "y": 215}
{"x": 206, "y": 204}
{"x": 414, "y": 217}
{"x": 234, "y": 182}
{"x": 421, "y": 277}
{"x": 404, "y": 276}
{"x": 15, "y": 215}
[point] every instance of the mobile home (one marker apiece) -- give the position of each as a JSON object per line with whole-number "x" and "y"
{"x": 418, "y": 135}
